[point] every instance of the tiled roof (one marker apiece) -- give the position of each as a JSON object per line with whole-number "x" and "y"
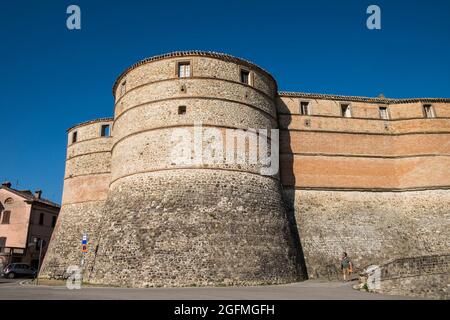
{"x": 359, "y": 99}
{"x": 89, "y": 122}
{"x": 211, "y": 54}
{"x": 28, "y": 195}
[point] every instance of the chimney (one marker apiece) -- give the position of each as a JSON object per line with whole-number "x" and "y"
{"x": 6, "y": 184}
{"x": 37, "y": 194}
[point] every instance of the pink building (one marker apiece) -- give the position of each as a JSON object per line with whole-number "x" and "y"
{"x": 25, "y": 220}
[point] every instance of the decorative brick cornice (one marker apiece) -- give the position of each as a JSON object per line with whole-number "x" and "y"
{"x": 359, "y": 99}
{"x": 190, "y": 53}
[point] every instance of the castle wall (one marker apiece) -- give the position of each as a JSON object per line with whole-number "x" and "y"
{"x": 86, "y": 182}
{"x": 421, "y": 276}
{"x": 372, "y": 227}
{"x": 171, "y": 224}
{"x": 376, "y": 189}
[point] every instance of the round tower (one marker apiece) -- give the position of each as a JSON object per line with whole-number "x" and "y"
{"x": 86, "y": 183}
{"x": 179, "y": 224}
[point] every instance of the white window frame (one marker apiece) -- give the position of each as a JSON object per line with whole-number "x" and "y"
{"x": 308, "y": 108}
{"x": 384, "y": 109}
{"x": 348, "y": 111}
{"x": 184, "y": 69}
{"x": 428, "y": 111}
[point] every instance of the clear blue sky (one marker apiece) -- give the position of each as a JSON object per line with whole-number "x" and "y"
{"x": 52, "y": 78}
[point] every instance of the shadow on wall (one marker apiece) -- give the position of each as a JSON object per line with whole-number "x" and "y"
{"x": 288, "y": 186}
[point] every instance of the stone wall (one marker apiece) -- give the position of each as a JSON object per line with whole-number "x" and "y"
{"x": 372, "y": 227}
{"x": 86, "y": 182}
{"x": 195, "y": 227}
{"x": 426, "y": 276}
{"x": 169, "y": 224}
{"x": 375, "y": 188}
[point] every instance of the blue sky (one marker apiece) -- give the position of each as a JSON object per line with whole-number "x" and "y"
{"x": 52, "y": 78}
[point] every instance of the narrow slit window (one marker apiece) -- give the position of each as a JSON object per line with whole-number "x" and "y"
{"x": 74, "y": 137}
{"x": 41, "y": 219}
{"x": 105, "y": 130}
{"x": 182, "y": 110}
{"x": 346, "y": 111}
{"x": 428, "y": 111}
{"x": 184, "y": 69}
{"x": 123, "y": 88}
{"x": 53, "y": 221}
{"x": 384, "y": 113}
{"x": 304, "y": 108}
{"x": 245, "y": 76}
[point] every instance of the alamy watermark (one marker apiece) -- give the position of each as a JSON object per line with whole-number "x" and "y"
{"x": 75, "y": 279}
{"x": 374, "y": 20}
{"x": 213, "y": 146}
{"x": 73, "y": 21}
{"x": 373, "y": 277}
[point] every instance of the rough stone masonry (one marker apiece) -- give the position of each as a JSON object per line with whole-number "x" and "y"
{"x": 369, "y": 176}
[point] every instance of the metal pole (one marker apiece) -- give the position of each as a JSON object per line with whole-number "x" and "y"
{"x": 39, "y": 261}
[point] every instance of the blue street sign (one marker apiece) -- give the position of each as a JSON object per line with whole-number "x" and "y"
{"x": 84, "y": 244}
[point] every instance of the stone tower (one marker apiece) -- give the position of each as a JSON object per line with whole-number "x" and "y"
{"x": 152, "y": 222}
{"x": 86, "y": 181}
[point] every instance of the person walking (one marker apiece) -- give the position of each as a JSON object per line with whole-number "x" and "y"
{"x": 346, "y": 266}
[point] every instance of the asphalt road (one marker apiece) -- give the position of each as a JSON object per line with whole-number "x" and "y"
{"x": 19, "y": 289}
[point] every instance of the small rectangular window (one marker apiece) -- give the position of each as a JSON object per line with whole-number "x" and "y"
{"x": 53, "y": 221}
{"x": 384, "y": 113}
{"x": 182, "y": 110}
{"x": 2, "y": 242}
{"x": 304, "y": 108}
{"x": 428, "y": 111}
{"x": 184, "y": 69}
{"x": 245, "y": 76}
{"x": 6, "y": 217}
{"x": 74, "y": 137}
{"x": 41, "y": 219}
{"x": 123, "y": 88}
{"x": 105, "y": 130}
{"x": 345, "y": 110}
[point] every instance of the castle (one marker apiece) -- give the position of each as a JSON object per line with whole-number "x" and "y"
{"x": 369, "y": 176}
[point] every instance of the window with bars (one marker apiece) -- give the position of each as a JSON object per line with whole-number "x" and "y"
{"x": 384, "y": 113}
{"x": 184, "y": 69}
{"x": 304, "y": 108}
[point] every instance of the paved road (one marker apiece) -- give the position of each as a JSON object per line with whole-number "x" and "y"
{"x": 309, "y": 290}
